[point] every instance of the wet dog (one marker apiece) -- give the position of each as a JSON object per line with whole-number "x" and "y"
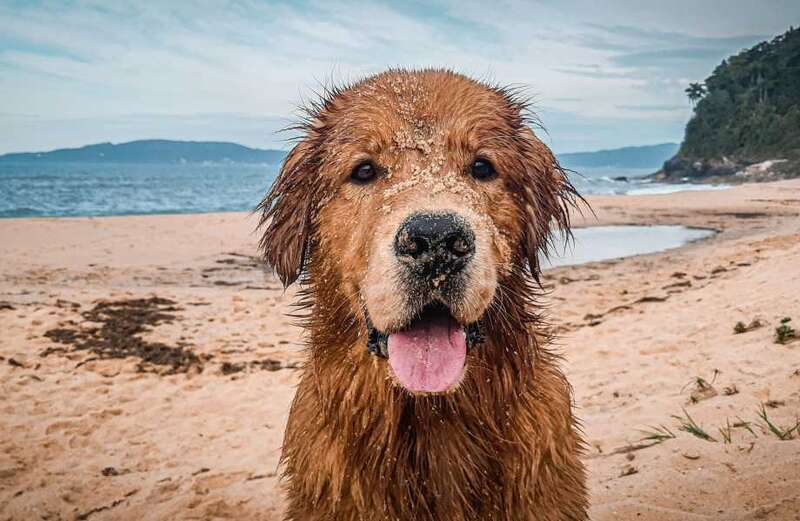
{"x": 413, "y": 211}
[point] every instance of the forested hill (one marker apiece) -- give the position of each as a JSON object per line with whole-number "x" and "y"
{"x": 747, "y": 112}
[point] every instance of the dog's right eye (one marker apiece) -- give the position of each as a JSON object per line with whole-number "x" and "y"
{"x": 363, "y": 172}
{"x": 482, "y": 170}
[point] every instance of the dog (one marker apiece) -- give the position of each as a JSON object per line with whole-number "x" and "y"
{"x": 413, "y": 212}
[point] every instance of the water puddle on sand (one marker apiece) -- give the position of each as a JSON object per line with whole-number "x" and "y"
{"x": 598, "y": 243}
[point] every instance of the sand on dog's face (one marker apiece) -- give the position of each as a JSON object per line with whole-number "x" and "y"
{"x": 422, "y": 131}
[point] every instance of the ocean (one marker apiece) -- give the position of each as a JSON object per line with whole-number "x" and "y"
{"x": 94, "y": 189}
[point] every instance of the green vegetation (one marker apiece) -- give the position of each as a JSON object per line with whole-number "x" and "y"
{"x": 780, "y": 433}
{"x": 695, "y": 91}
{"x": 655, "y": 435}
{"x": 740, "y": 327}
{"x": 785, "y": 333}
{"x": 752, "y": 105}
{"x": 727, "y": 432}
{"x": 741, "y": 424}
{"x": 746, "y": 112}
{"x": 687, "y": 424}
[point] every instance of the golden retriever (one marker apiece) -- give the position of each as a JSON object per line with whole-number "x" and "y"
{"x": 414, "y": 210}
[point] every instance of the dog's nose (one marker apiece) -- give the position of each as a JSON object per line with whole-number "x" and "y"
{"x": 432, "y": 244}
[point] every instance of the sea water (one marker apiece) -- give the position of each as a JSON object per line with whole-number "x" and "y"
{"x": 94, "y": 189}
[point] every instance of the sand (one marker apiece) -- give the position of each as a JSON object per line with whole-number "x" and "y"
{"x": 197, "y": 435}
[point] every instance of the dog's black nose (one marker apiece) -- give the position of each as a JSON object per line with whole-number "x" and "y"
{"x": 433, "y": 244}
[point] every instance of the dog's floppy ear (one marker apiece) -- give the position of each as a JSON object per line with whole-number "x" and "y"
{"x": 547, "y": 197}
{"x": 287, "y": 214}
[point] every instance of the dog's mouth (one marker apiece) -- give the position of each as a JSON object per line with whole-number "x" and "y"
{"x": 429, "y": 354}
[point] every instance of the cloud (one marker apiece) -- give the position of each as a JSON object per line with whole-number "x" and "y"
{"x": 658, "y": 58}
{"x": 653, "y": 108}
{"x": 626, "y": 38}
{"x": 654, "y": 55}
{"x": 597, "y": 72}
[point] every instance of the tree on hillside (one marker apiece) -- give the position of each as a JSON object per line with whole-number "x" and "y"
{"x": 695, "y": 91}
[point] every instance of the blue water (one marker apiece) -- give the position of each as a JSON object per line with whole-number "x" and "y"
{"x": 89, "y": 189}
{"x": 78, "y": 189}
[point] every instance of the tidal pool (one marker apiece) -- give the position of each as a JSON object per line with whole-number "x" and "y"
{"x": 598, "y": 243}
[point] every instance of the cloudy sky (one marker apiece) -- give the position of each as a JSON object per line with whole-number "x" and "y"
{"x": 603, "y": 74}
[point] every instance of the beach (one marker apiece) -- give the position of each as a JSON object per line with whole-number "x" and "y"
{"x": 147, "y": 364}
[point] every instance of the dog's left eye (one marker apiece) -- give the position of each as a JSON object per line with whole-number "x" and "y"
{"x": 363, "y": 172}
{"x": 482, "y": 169}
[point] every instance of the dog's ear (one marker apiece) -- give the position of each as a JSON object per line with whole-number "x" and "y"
{"x": 547, "y": 197}
{"x": 287, "y": 214}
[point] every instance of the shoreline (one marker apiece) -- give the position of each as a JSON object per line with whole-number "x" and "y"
{"x": 200, "y": 437}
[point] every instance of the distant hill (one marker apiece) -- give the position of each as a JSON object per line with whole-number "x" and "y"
{"x": 166, "y": 151}
{"x": 648, "y": 156}
{"x": 746, "y": 123}
{"x": 153, "y": 151}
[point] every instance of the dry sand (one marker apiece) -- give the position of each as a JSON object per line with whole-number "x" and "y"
{"x": 89, "y": 438}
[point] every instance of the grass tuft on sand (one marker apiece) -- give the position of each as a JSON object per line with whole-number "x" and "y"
{"x": 785, "y": 333}
{"x": 687, "y": 424}
{"x": 780, "y": 433}
{"x": 656, "y": 435}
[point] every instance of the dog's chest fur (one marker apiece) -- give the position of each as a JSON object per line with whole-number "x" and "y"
{"x": 501, "y": 447}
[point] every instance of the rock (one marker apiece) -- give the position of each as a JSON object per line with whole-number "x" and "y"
{"x": 724, "y": 170}
{"x": 761, "y": 171}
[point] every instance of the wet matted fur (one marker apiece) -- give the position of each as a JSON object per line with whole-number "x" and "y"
{"x": 503, "y": 444}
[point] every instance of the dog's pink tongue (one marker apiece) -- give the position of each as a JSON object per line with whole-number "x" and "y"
{"x": 429, "y": 356}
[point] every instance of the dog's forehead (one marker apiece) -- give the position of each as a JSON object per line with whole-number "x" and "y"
{"x": 418, "y": 110}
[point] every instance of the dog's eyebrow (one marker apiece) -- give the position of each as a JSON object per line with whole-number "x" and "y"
{"x": 360, "y": 157}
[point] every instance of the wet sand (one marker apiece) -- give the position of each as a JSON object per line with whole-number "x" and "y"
{"x": 188, "y": 424}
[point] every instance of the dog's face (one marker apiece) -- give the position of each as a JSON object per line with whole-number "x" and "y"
{"x": 412, "y": 198}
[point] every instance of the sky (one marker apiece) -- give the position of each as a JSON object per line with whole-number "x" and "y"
{"x": 601, "y": 74}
